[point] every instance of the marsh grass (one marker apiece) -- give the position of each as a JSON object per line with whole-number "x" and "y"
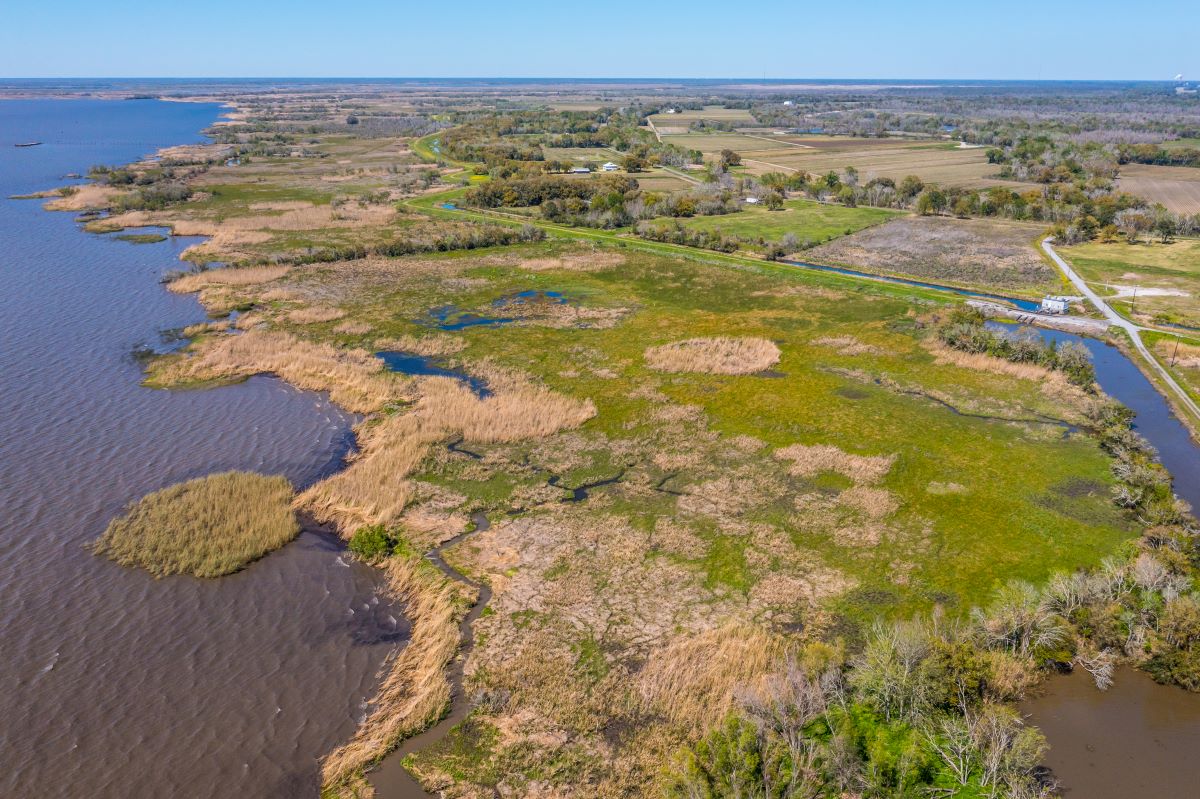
{"x": 376, "y": 487}
{"x": 315, "y": 314}
{"x": 719, "y": 355}
{"x": 245, "y": 276}
{"x": 693, "y": 681}
{"x": 415, "y": 691}
{"x": 431, "y": 346}
{"x": 354, "y": 378}
{"x": 207, "y": 527}
{"x": 811, "y": 461}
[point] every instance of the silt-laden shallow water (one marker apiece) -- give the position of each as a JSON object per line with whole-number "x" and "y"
{"x": 116, "y": 684}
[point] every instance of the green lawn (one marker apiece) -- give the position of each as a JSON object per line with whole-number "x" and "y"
{"x": 1180, "y": 144}
{"x": 805, "y": 219}
{"x": 1153, "y": 268}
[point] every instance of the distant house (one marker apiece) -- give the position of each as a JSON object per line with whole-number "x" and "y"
{"x": 670, "y": 110}
{"x": 751, "y": 200}
{"x": 788, "y": 102}
{"x": 610, "y": 167}
{"x": 580, "y": 170}
{"x": 1055, "y": 304}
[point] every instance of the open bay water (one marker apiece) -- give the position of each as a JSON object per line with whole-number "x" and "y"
{"x": 112, "y": 683}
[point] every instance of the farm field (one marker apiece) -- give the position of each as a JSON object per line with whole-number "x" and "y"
{"x": 1176, "y": 187}
{"x": 582, "y": 154}
{"x": 807, "y": 220}
{"x": 680, "y": 120}
{"x": 1150, "y": 282}
{"x": 661, "y": 180}
{"x": 975, "y": 253}
{"x": 943, "y": 163}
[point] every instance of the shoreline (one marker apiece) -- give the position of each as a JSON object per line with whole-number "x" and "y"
{"x": 436, "y": 610}
{"x": 423, "y": 600}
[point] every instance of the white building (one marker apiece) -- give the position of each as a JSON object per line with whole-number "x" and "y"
{"x": 751, "y": 200}
{"x": 1055, "y": 304}
{"x": 610, "y": 167}
{"x": 580, "y": 170}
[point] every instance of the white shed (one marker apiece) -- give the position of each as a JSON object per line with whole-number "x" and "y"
{"x": 1055, "y": 304}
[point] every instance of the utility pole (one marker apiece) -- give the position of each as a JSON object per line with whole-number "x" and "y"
{"x": 1173, "y": 354}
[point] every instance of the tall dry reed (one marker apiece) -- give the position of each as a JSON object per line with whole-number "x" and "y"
{"x": 415, "y": 692}
{"x": 718, "y": 356}
{"x": 809, "y": 461}
{"x": 206, "y": 527}
{"x": 229, "y": 276}
{"x": 354, "y": 378}
{"x": 375, "y": 487}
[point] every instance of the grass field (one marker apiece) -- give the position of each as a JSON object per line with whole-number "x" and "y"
{"x": 1180, "y": 355}
{"x": 1166, "y": 278}
{"x": 1180, "y": 144}
{"x": 976, "y": 253}
{"x": 583, "y": 154}
{"x": 679, "y": 121}
{"x": 1176, "y": 187}
{"x": 807, "y": 220}
{"x": 943, "y": 163}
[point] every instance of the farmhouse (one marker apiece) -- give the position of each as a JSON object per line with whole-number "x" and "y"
{"x": 610, "y": 167}
{"x": 580, "y": 170}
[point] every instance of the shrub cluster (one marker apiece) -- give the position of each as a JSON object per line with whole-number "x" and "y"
{"x": 473, "y": 237}
{"x": 676, "y": 233}
{"x": 520, "y": 192}
{"x": 965, "y": 331}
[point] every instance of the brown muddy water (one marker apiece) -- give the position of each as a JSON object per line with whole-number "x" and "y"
{"x": 1137, "y": 739}
{"x": 115, "y": 684}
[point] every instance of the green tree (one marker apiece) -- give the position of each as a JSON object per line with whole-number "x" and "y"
{"x": 371, "y": 542}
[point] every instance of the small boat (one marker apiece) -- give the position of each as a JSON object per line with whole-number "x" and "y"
{"x": 27, "y": 144}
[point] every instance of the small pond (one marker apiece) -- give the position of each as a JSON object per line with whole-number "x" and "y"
{"x": 411, "y": 364}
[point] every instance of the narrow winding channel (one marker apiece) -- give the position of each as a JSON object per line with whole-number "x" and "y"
{"x": 391, "y": 780}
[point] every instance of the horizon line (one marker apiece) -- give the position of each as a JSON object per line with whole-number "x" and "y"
{"x": 595, "y": 78}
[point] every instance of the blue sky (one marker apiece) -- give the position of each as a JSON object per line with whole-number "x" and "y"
{"x": 870, "y": 38}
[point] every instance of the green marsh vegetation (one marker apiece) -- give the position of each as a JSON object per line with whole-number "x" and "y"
{"x": 703, "y": 503}
{"x": 142, "y": 238}
{"x": 743, "y": 535}
{"x": 207, "y": 527}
